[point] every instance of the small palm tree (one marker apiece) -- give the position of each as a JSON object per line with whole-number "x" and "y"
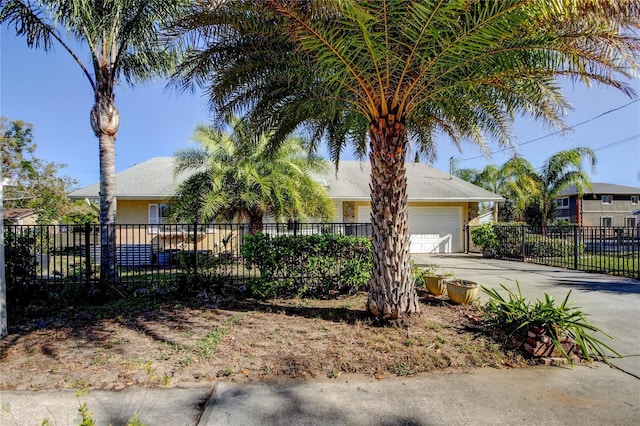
{"x": 122, "y": 38}
{"x": 382, "y": 75}
{"x": 491, "y": 178}
{"x": 543, "y": 186}
{"x": 234, "y": 176}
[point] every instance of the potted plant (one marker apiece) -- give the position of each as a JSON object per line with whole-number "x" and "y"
{"x": 435, "y": 283}
{"x": 484, "y": 237}
{"x": 460, "y": 291}
{"x": 549, "y": 329}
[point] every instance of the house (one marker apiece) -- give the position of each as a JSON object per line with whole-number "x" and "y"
{"x": 440, "y": 205}
{"x": 19, "y": 216}
{"x": 607, "y": 205}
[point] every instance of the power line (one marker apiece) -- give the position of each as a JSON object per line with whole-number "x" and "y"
{"x": 557, "y": 132}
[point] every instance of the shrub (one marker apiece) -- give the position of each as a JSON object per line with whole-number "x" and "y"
{"x": 307, "y": 265}
{"x": 516, "y": 315}
{"x": 509, "y": 239}
{"x": 484, "y": 237}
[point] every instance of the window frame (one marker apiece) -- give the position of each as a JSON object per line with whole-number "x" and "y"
{"x": 602, "y": 220}
{"x": 632, "y": 218}
{"x": 605, "y": 197}
{"x": 635, "y": 199}
{"x": 560, "y": 203}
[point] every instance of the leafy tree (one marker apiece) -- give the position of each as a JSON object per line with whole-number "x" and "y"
{"x": 542, "y": 187}
{"x": 38, "y": 182}
{"x": 381, "y": 75}
{"x": 235, "y": 176}
{"x": 79, "y": 212}
{"x": 122, "y": 39}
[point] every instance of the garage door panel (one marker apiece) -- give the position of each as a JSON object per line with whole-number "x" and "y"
{"x": 432, "y": 229}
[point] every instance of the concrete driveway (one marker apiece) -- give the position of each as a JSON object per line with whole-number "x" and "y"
{"x": 612, "y": 303}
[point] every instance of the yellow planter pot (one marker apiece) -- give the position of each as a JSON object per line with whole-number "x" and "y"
{"x": 462, "y": 291}
{"x": 435, "y": 284}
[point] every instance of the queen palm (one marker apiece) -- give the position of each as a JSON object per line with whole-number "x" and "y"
{"x": 121, "y": 38}
{"x": 381, "y": 75}
{"x": 491, "y": 178}
{"x": 544, "y": 185}
{"x": 233, "y": 176}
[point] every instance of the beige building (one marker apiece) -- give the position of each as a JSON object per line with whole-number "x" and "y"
{"x": 440, "y": 205}
{"x": 607, "y": 205}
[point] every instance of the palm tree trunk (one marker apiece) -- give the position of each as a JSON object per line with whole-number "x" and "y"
{"x": 255, "y": 223}
{"x": 105, "y": 121}
{"x": 391, "y": 290}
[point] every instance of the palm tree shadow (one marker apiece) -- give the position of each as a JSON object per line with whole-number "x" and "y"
{"x": 334, "y": 314}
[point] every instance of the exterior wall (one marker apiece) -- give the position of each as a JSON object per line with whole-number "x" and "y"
{"x": 134, "y": 211}
{"x": 619, "y": 209}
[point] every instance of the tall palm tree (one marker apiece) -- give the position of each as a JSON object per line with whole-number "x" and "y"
{"x": 234, "y": 176}
{"x": 122, "y": 39}
{"x": 543, "y": 186}
{"x": 380, "y": 75}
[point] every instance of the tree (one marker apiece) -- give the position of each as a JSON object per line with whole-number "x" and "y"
{"x": 38, "y": 182}
{"x": 381, "y": 75}
{"x": 235, "y": 177}
{"x": 491, "y": 178}
{"x": 122, "y": 40}
{"x": 543, "y": 187}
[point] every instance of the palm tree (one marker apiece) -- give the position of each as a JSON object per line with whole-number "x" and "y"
{"x": 491, "y": 178}
{"x": 122, "y": 39}
{"x": 381, "y": 75}
{"x": 543, "y": 186}
{"x": 234, "y": 176}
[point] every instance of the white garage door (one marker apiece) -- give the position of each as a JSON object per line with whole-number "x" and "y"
{"x": 432, "y": 229}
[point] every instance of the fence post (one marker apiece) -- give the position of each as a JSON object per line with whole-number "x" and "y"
{"x": 467, "y": 241}
{"x": 195, "y": 249}
{"x": 522, "y": 242}
{"x": 575, "y": 247}
{"x": 87, "y": 252}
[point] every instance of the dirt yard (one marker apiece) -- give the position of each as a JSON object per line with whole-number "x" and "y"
{"x": 173, "y": 344}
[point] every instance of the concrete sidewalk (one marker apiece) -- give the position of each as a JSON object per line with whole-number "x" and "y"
{"x": 584, "y": 395}
{"x": 538, "y": 396}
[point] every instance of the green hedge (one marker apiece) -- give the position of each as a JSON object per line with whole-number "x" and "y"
{"x": 535, "y": 246}
{"x": 320, "y": 266}
{"x": 509, "y": 239}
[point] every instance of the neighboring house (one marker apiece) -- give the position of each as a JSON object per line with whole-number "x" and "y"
{"x": 607, "y": 205}
{"x": 19, "y": 216}
{"x": 439, "y": 205}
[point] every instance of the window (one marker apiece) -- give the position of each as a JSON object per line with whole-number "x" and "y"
{"x": 606, "y": 222}
{"x": 634, "y": 199}
{"x": 630, "y": 222}
{"x": 606, "y": 199}
{"x": 562, "y": 203}
{"x": 158, "y": 215}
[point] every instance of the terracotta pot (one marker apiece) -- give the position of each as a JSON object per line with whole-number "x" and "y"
{"x": 435, "y": 284}
{"x": 462, "y": 291}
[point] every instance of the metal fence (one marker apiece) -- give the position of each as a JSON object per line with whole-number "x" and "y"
{"x": 70, "y": 254}
{"x": 609, "y": 250}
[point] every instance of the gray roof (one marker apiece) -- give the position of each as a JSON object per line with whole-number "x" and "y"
{"x": 603, "y": 188}
{"x": 154, "y": 179}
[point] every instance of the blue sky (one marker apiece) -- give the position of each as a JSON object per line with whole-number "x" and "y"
{"x": 49, "y": 91}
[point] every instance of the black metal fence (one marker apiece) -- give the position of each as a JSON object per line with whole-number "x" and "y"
{"x": 609, "y": 250}
{"x": 70, "y": 254}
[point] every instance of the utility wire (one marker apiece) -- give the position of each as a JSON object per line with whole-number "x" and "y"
{"x": 557, "y": 132}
